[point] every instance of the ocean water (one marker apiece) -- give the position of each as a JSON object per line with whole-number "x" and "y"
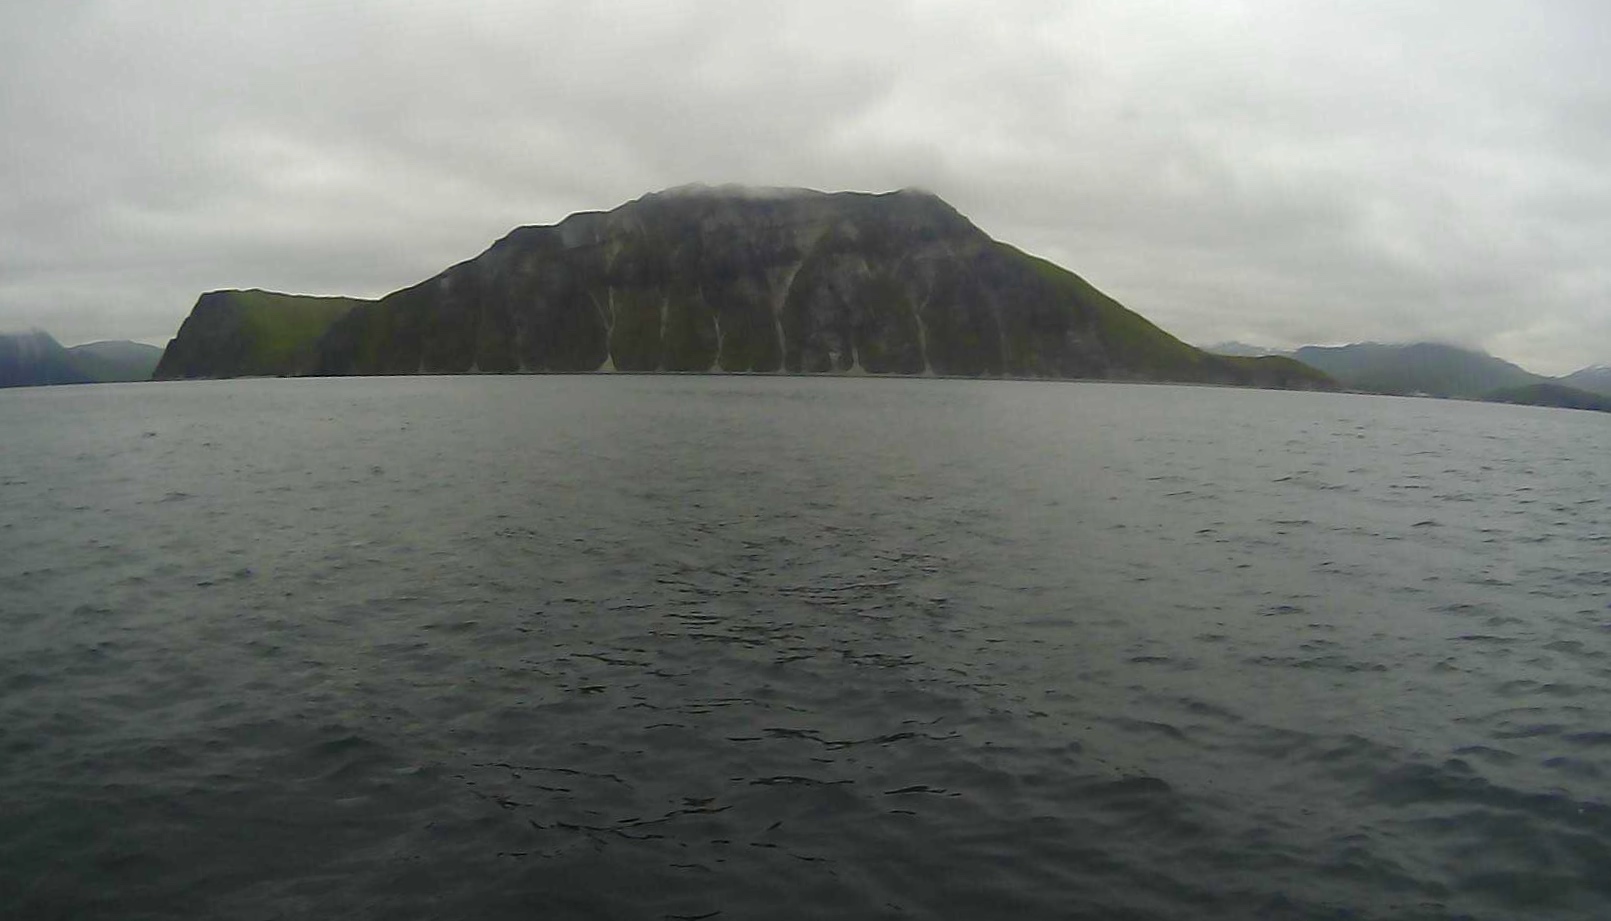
{"x": 755, "y": 647}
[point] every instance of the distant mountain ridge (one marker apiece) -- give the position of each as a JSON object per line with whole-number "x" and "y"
{"x": 1595, "y": 379}
{"x": 1550, "y": 393}
{"x": 1441, "y": 370}
{"x": 116, "y": 360}
{"x": 1243, "y": 350}
{"x": 35, "y": 358}
{"x": 722, "y": 279}
{"x": 1418, "y": 367}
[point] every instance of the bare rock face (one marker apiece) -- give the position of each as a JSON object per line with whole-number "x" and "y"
{"x": 729, "y": 279}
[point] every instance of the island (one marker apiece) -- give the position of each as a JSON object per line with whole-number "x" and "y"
{"x": 723, "y": 279}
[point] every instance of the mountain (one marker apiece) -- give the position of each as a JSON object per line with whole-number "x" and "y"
{"x": 116, "y": 360}
{"x": 36, "y": 358}
{"x": 1595, "y": 380}
{"x": 33, "y": 358}
{"x": 721, "y": 279}
{"x": 1419, "y": 367}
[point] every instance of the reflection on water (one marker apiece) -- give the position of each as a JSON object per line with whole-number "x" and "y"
{"x": 667, "y": 647}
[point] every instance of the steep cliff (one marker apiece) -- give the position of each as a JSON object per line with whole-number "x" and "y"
{"x": 735, "y": 280}
{"x": 250, "y": 333}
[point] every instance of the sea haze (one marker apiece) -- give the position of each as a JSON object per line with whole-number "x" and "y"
{"x": 743, "y": 647}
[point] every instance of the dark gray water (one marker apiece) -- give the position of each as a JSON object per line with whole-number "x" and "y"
{"x": 656, "y": 647}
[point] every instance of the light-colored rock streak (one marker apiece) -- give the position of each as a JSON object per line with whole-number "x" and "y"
{"x": 665, "y": 311}
{"x": 855, "y": 344}
{"x": 608, "y": 319}
{"x": 1001, "y": 329}
{"x": 777, "y": 315}
{"x": 716, "y": 320}
{"x": 923, "y": 330}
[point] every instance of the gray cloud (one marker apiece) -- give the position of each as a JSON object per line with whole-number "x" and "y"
{"x": 1280, "y": 172}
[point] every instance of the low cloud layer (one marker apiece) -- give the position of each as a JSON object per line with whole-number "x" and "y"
{"x": 1272, "y": 171}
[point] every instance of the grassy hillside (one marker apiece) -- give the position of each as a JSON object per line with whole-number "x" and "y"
{"x": 1284, "y": 372}
{"x": 279, "y": 327}
{"x": 1130, "y": 339}
{"x": 251, "y": 333}
{"x": 1551, "y": 394}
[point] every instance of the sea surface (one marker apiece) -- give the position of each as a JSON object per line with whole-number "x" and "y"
{"x": 755, "y": 647}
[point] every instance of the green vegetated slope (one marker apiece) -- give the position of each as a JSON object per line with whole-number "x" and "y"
{"x": 250, "y": 333}
{"x": 1284, "y": 372}
{"x": 731, "y": 279}
{"x": 1551, "y": 394}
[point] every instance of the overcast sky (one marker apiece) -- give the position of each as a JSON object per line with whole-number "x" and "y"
{"x": 1273, "y": 171}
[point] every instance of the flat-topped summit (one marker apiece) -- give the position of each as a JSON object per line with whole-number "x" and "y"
{"x": 734, "y": 190}
{"x": 722, "y": 279}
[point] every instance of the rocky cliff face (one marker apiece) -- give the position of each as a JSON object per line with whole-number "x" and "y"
{"x": 739, "y": 280}
{"x": 250, "y": 334}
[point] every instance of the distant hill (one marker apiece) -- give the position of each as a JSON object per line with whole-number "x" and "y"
{"x": 721, "y": 279}
{"x": 1595, "y": 380}
{"x": 35, "y": 357}
{"x": 1552, "y": 394}
{"x": 1283, "y": 372}
{"x": 1440, "y": 370}
{"x": 1417, "y": 368}
{"x": 116, "y": 360}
